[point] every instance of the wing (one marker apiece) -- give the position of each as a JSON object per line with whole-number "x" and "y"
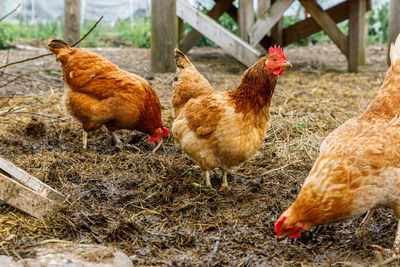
{"x": 203, "y": 115}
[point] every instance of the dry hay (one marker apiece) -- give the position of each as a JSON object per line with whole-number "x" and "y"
{"x": 155, "y": 207}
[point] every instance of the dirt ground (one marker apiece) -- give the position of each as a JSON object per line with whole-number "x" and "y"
{"x": 155, "y": 207}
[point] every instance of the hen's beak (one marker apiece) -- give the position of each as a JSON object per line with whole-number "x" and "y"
{"x": 287, "y": 64}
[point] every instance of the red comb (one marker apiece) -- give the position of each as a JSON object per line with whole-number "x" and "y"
{"x": 278, "y": 227}
{"x": 279, "y": 222}
{"x": 166, "y": 131}
{"x": 276, "y": 50}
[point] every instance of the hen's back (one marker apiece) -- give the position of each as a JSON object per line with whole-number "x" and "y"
{"x": 188, "y": 83}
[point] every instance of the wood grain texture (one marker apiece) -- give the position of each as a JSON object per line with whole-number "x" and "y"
{"x": 238, "y": 48}
{"x": 25, "y": 199}
{"x": 10, "y": 169}
{"x": 357, "y": 10}
{"x": 193, "y": 36}
{"x": 72, "y": 20}
{"x": 327, "y": 24}
{"x": 163, "y": 35}
{"x": 266, "y": 21}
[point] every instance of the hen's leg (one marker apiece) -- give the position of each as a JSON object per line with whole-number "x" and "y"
{"x": 224, "y": 184}
{"x": 208, "y": 181}
{"x": 84, "y": 139}
{"x": 117, "y": 141}
{"x": 364, "y": 222}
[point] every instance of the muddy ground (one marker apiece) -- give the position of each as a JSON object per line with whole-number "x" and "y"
{"x": 155, "y": 207}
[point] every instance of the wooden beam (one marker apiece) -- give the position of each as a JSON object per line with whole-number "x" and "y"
{"x": 163, "y": 35}
{"x": 309, "y": 26}
{"x": 246, "y": 18}
{"x": 327, "y": 24}
{"x": 277, "y": 32}
{"x": 233, "y": 12}
{"x": 180, "y": 29}
{"x": 193, "y": 36}
{"x": 267, "y": 20}
{"x": 357, "y": 9}
{"x": 263, "y": 6}
{"x": 394, "y": 25}
{"x": 72, "y": 20}
{"x": 25, "y": 199}
{"x": 238, "y": 48}
{"x": 9, "y": 169}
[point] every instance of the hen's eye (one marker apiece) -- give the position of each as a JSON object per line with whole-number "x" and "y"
{"x": 274, "y": 59}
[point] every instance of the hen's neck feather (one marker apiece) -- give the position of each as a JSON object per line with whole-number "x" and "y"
{"x": 386, "y": 104}
{"x": 256, "y": 89}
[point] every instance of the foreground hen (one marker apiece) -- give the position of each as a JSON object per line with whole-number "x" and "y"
{"x": 223, "y": 129}
{"x": 358, "y": 168}
{"x": 100, "y": 93}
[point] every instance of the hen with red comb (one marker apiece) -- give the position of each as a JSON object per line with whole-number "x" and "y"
{"x": 224, "y": 129}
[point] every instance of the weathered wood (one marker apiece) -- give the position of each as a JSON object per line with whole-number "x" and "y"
{"x": 11, "y": 170}
{"x": 357, "y": 10}
{"x": 233, "y": 12}
{"x": 263, "y": 6}
{"x": 309, "y": 26}
{"x": 25, "y": 199}
{"x": 72, "y": 20}
{"x": 246, "y": 18}
{"x": 163, "y": 35}
{"x": 277, "y": 32}
{"x": 193, "y": 36}
{"x": 180, "y": 29}
{"x": 267, "y": 20}
{"x": 394, "y": 25}
{"x": 327, "y": 24}
{"x": 238, "y": 48}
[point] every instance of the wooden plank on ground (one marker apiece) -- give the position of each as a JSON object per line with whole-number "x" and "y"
{"x": 193, "y": 36}
{"x": 246, "y": 18}
{"x": 8, "y": 168}
{"x": 235, "y": 46}
{"x": 25, "y": 199}
{"x": 266, "y": 21}
{"x": 327, "y": 24}
{"x": 357, "y": 10}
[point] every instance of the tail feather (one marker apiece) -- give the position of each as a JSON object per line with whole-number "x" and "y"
{"x": 395, "y": 50}
{"x": 57, "y": 45}
{"x": 188, "y": 82}
{"x": 181, "y": 60}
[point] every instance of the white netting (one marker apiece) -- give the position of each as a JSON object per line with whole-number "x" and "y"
{"x": 48, "y": 10}
{"x": 44, "y": 10}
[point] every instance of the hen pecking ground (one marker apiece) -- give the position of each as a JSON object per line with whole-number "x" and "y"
{"x": 155, "y": 207}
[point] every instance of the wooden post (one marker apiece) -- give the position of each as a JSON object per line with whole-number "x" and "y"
{"x": 356, "y": 56}
{"x": 394, "y": 25}
{"x": 263, "y": 6}
{"x": 72, "y": 21}
{"x": 180, "y": 30}
{"x": 277, "y": 32}
{"x": 246, "y": 18}
{"x": 163, "y": 35}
